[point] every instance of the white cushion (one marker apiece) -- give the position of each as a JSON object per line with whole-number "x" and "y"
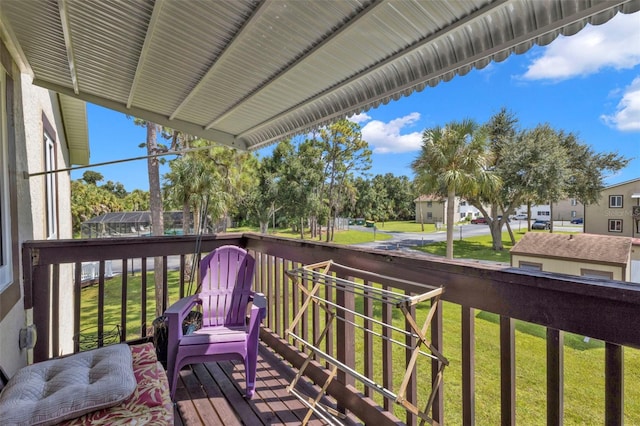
{"x": 49, "y": 392}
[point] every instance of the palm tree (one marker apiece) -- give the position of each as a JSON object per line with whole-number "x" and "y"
{"x": 453, "y": 162}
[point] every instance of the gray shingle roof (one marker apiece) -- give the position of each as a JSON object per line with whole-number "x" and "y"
{"x": 583, "y": 247}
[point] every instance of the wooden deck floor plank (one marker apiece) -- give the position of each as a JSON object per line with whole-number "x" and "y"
{"x": 213, "y": 394}
{"x": 258, "y": 404}
{"x": 268, "y": 391}
{"x": 285, "y": 374}
{"x": 245, "y": 409}
{"x": 279, "y": 386}
{"x": 217, "y": 399}
{"x": 199, "y": 397}
{"x": 184, "y": 405}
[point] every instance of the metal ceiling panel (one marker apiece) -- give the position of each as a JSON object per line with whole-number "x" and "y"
{"x": 248, "y": 73}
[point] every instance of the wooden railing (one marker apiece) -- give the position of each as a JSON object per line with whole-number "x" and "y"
{"x": 599, "y": 309}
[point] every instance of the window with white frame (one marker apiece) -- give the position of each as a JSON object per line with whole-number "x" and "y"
{"x": 573, "y": 213}
{"x": 615, "y": 201}
{"x": 574, "y": 202}
{"x": 543, "y": 213}
{"x": 615, "y": 225}
{"x": 6, "y": 273}
{"x": 50, "y": 185}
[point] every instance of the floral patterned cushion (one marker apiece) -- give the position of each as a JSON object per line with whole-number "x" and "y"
{"x": 150, "y": 403}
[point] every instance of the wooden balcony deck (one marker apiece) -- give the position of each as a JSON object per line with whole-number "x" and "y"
{"x": 213, "y": 394}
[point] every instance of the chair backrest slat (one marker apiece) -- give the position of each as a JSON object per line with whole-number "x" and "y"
{"x": 226, "y": 280}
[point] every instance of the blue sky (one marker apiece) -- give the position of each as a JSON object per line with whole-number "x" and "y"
{"x": 588, "y": 84}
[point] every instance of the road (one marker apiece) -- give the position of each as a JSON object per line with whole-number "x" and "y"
{"x": 404, "y": 241}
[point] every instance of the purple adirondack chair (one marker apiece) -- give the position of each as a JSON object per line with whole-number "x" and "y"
{"x": 226, "y": 276}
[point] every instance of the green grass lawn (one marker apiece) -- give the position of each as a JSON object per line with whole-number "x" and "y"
{"x": 478, "y": 247}
{"x": 405, "y": 226}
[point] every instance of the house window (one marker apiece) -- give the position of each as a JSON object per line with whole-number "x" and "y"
{"x": 429, "y": 215}
{"x": 463, "y": 203}
{"x": 574, "y": 202}
{"x": 592, "y": 273}
{"x": 50, "y": 184}
{"x": 5, "y": 219}
{"x": 615, "y": 225}
{"x": 573, "y": 213}
{"x": 429, "y": 203}
{"x": 615, "y": 201}
{"x": 530, "y": 266}
{"x": 543, "y": 213}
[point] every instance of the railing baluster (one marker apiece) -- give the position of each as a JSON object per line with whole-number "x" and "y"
{"x": 507, "y": 371}
{"x": 328, "y": 294}
{"x": 295, "y": 303}
{"x": 101, "y": 295}
{"x": 468, "y": 366}
{"x": 614, "y": 384}
{"x": 387, "y": 354}
{"x": 165, "y": 284}
{"x": 143, "y": 296}
{"x": 77, "y": 293}
{"x": 271, "y": 313}
{"x": 437, "y": 339}
{"x": 278, "y": 302}
{"x": 286, "y": 303}
{"x": 345, "y": 334}
{"x": 123, "y": 301}
{"x": 55, "y": 309}
{"x": 183, "y": 270}
{"x": 555, "y": 376}
{"x": 368, "y": 342}
{"x": 412, "y": 388}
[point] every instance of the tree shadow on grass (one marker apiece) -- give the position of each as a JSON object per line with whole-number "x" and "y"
{"x": 574, "y": 341}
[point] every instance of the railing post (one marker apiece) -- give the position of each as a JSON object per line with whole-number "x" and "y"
{"x": 555, "y": 376}
{"x": 468, "y": 366}
{"x": 345, "y": 334}
{"x": 41, "y": 297}
{"x": 437, "y": 338}
{"x": 507, "y": 371}
{"x": 614, "y": 384}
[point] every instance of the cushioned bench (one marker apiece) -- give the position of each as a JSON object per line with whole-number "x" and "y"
{"x": 112, "y": 385}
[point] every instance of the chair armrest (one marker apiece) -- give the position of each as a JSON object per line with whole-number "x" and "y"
{"x": 176, "y": 314}
{"x": 258, "y": 309}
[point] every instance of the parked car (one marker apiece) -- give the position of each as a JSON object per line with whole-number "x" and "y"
{"x": 541, "y": 224}
{"x": 577, "y": 221}
{"x": 500, "y": 217}
{"x": 478, "y": 220}
{"x": 520, "y": 216}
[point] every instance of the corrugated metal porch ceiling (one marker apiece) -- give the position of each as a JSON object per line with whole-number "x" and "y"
{"x": 247, "y": 73}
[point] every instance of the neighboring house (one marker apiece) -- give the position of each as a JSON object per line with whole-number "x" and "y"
{"x": 33, "y": 205}
{"x": 617, "y": 212}
{"x": 586, "y": 255}
{"x": 433, "y": 209}
{"x": 568, "y": 209}
{"x": 542, "y": 211}
{"x": 466, "y": 210}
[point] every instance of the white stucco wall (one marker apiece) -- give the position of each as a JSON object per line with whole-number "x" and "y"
{"x": 30, "y": 102}
{"x": 37, "y": 101}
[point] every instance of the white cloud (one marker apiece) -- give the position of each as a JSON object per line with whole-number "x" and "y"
{"x": 627, "y": 115}
{"x": 385, "y": 138}
{"x": 610, "y": 45}
{"x": 359, "y": 118}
